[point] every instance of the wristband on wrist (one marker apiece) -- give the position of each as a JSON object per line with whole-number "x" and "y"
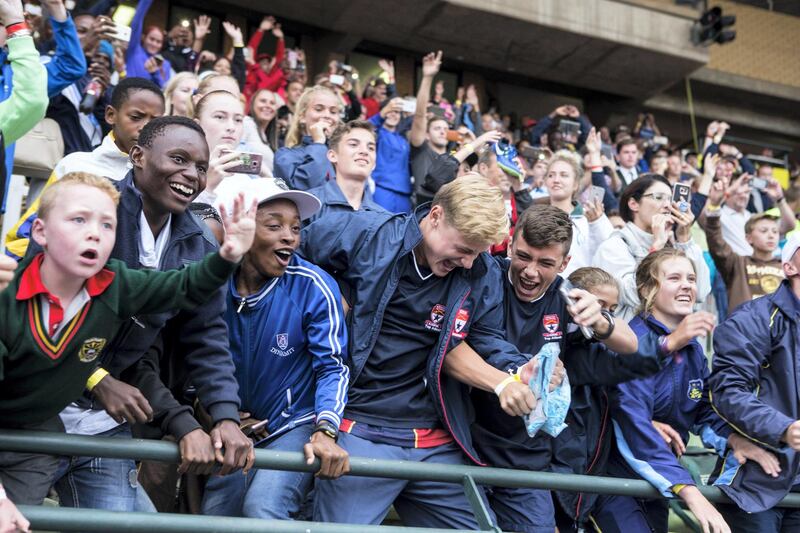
{"x": 610, "y": 318}
{"x": 598, "y": 168}
{"x": 96, "y": 377}
{"x": 712, "y": 207}
{"x": 677, "y": 488}
{"x": 503, "y": 384}
{"x": 3, "y": 495}
{"x": 15, "y": 27}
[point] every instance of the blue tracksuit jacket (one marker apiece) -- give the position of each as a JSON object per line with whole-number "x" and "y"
{"x": 363, "y": 248}
{"x": 289, "y": 345}
{"x": 754, "y": 385}
{"x": 304, "y": 166}
{"x": 676, "y": 395}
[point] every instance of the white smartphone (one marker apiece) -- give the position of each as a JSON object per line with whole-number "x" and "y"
{"x": 122, "y": 33}
{"x": 336, "y": 79}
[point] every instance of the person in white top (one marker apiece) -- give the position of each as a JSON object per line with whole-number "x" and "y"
{"x": 652, "y": 221}
{"x": 221, "y": 115}
{"x": 261, "y": 128}
{"x": 590, "y": 225}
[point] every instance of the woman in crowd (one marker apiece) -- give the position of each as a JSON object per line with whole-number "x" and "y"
{"x": 303, "y": 161}
{"x": 178, "y": 93}
{"x": 221, "y": 115}
{"x": 143, "y": 58}
{"x": 675, "y": 398}
{"x": 590, "y": 226}
{"x": 652, "y": 222}
{"x": 261, "y": 129}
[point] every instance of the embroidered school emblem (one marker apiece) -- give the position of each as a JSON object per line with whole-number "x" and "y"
{"x": 283, "y": 340}
{"x": 90, "y": 349}
{"x": 695, "y": 392}
{"x": 434, "y": 322}
{"x": 552, "y": 327}
{"x": 462, "y": 317}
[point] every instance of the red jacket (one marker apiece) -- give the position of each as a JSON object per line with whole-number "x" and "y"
{"x": 258, "y": 79}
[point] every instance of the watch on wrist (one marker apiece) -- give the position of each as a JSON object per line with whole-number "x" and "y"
{"x": 611, "y": 323}
{"x": 325, "y": 427}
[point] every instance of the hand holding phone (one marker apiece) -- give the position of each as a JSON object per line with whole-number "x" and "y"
{"x": 680, "y": 195}
{"x": 250, "y": 164}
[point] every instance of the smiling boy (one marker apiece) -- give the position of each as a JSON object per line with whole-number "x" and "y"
{"x": 68, "y": 301}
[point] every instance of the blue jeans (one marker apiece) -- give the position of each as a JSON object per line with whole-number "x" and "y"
{"x": 271, "y": 494}
{"x": 100, "y": 482}
{"x": 366, "y": 500}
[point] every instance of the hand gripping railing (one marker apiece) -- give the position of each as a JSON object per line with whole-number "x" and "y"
{"x": 469, "y": 477}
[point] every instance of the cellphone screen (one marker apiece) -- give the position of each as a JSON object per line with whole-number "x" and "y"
{"x": 681, "y": 194}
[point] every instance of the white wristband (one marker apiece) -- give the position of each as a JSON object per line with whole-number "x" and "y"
{"x": 3, "y": 495}
{"x": 503, "y": 384}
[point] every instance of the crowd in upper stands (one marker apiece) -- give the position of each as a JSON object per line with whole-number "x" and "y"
{"x": 233, "y": 253}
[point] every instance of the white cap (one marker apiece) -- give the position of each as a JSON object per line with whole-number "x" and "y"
{"x": 263, "y": 190}
{"x": 791, "y": 246}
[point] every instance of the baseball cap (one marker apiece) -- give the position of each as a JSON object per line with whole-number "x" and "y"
{"x": 791, "y": 246}
{"x": 264, "y": 190}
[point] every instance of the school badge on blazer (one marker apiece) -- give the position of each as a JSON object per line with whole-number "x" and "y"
{"x": 695, "y": 391}
{"x": 91, "y": 349}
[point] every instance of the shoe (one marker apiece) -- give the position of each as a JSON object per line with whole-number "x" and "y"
{"x": 507, "y": 158}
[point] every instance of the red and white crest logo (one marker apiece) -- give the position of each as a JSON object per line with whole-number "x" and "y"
{"x": 434, "y": 323}
{"x": 550, "y": 323}
{"x": 462, "y": 317}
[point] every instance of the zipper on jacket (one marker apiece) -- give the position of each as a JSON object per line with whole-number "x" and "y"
{"x": 241, "y": 305}
{"x": 138, "y": 322}
{"x": 596, "y": 452}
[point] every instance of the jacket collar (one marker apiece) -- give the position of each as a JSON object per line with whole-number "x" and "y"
{"x": 785, "y": 299}
{"x": 128, "y": 233}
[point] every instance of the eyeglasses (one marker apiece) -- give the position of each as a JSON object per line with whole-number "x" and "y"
{"x": 657, "y": 196}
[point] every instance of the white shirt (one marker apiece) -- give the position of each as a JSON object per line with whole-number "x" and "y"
{"x": 733, "y": 229}
{"x": 628, "y": 174}
{"x": 151, "y": 248}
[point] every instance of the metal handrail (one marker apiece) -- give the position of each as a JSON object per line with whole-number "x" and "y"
{"x": 467, "y": 476}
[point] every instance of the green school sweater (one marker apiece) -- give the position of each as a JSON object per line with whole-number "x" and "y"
{"x": 40, "y": 376}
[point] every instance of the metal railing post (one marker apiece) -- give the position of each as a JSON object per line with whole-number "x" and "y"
{"x": 482, "y": 515}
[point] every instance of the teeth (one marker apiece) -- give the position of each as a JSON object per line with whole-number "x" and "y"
{"x": 284, "y": 254}
{"x": 182, "y": 189}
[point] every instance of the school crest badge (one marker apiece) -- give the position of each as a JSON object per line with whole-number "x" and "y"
{"x": 434, "y": 322}
{"x": 462, "y": 317}
{"x": 90, "y": 349}
{"x": 695, "y": 392}
{"x": 552, "y": 327}
{"x": 282, "y": 339}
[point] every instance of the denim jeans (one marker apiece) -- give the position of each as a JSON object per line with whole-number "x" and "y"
{"x": 100, "y": 482}
{"x": 270, "y": 494}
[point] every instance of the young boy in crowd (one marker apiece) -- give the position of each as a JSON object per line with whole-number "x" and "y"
{"x": 352, "y": 151}
{"x": 66, "y": 302}
{"x": 286, "y": 325}
{"x": 134, "y": 103}
{"x": 746, "y": 276}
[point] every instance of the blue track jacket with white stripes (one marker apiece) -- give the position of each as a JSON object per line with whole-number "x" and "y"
{"x": 289, "y": 345}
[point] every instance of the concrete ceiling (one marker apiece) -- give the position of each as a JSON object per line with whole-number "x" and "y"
{"x": 491, "y": 40}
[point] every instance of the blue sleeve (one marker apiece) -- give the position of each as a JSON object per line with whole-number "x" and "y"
{"x": 377, "y": 120}
{"x": 698, "y": 203}
{"x": 327, "y": 342}
{"x": 137, "y": 25}
{"x": 586, "y": 126}
{"x": 609, "y": 200}
{"x": 712, "y": 149}
{"x": 741, "y": 346}
{"x": 539, "y": 129}
{"x": 331, "y": 240}
{"x": 69, "y": 64}
{"x": 639, "y": 442}
{"x": 747, "y": 165}
{"x": 594, "y": 364}
{"x": 303, "y": 167}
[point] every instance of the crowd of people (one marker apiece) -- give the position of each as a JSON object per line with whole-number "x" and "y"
{"x": 236, "y": 254}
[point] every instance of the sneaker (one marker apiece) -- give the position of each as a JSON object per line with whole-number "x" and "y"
{"x": 507, "y": 158}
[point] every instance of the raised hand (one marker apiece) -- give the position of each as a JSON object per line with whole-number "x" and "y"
{"x": 267, "y": 23}
{"x": 489, "y": 137}
{"x": 698, "y": 324}
{"x": 11, "y": 12}
{"x": 683, "y": 222}
{"x": 660, "y": 225}
{"x": 593, "y": 143}
{"x": 234, "y": 32}
{"x": 774, "y": 189}
{"x": 7, "y": 267}
{"x": 202, "y": 27}
{"x": 240, "y": 229}
{"x": 431, "y": 64}
{"x": 716, "y": 194}
{"x": 388, "y": 67}
{"x": 277, "y": 31}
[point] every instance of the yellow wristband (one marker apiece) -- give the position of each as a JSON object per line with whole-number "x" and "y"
{"x": 710, "y": 207}
{"x": 677, "y": 488}
{"x": 503, "y": 384}
{"x": 470, "y": 147}
{"x": 96, "y": 377}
